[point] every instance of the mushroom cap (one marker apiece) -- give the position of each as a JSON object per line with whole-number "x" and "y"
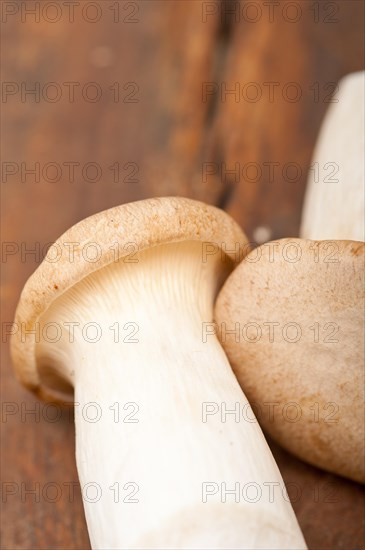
{"x": 312, "y": 366}
{"x": 142, "y": 224}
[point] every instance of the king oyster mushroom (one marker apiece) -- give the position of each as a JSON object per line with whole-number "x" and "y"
{"x": 334, "y": 204}
{"x": 291, "y": 320}
{"x": 156, "y": 473}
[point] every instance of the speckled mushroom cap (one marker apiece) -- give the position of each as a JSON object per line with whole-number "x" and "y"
{"x": 299, "y": 309}
{"x": 144, "y": 223}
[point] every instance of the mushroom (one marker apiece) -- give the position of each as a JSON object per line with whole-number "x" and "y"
{"x": 334, "y": 203}
{"x": 163, "y": 469}
{"x": 294, "y": 309}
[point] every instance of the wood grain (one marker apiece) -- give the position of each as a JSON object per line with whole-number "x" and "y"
{"x": 168, "y": 136}
{"x": 290, "y": 69}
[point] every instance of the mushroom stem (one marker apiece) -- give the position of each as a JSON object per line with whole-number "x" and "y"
{"x": 154, "y": 472}
{"x": 334, "y": 200}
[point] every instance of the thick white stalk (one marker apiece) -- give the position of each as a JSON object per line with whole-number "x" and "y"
{"x": 163, "y": 474}
{"x": 335, "y": 196}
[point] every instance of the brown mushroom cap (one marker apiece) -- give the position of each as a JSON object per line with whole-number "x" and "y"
{"x": 306, "y": 380}
{"x": 146, "y": 224}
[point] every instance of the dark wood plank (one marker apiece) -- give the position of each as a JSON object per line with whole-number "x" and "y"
{"x": 168, "y": 135}
{"x": 301, "y": 52}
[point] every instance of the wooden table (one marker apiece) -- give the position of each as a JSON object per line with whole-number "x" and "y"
{"x": 149, "y": 98}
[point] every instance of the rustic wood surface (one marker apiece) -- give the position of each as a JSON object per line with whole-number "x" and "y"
{"x": 172, "y": 131}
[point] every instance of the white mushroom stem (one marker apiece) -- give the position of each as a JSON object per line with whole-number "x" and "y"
{"x": 163, "y": 480}
{"x": 335, "y": 197}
